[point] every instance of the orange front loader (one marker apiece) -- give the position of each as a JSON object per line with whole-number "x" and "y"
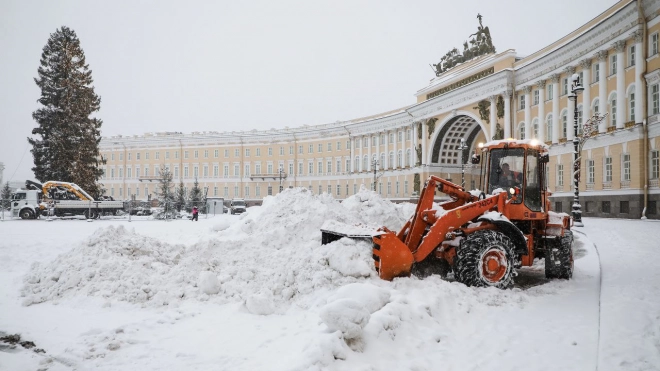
{"x": 480, "y": 238}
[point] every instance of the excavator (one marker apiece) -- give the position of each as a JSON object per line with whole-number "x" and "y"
{"x": 480, "y": 236}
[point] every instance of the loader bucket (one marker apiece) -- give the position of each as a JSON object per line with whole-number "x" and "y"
{"x": 392, "y": 257}
{"x": 333, "y": 230}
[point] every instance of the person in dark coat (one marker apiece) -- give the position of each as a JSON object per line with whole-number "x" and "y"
{"x": 195, "y": 214}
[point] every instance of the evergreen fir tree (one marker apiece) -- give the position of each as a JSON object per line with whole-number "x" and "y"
{"x": 195, "y": 198}
{"x": 164, "y": 191}
{"x": 5, "y": 195}
{"x": 180, "y": 196}
{"x": 65, "y": 145}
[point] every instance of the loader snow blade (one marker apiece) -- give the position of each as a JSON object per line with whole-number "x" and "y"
{"x": 392, "y": 257}
{"x": 333, "y": 230}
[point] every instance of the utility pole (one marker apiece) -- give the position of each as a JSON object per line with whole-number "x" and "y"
{"x": 280, "y": 172}
{"x": 576, "y": 87}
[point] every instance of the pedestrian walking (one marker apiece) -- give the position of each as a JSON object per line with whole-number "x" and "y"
{"x": 195, "y": 214}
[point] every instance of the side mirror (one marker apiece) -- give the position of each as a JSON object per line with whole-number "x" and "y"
{"x": 476, "y": 159}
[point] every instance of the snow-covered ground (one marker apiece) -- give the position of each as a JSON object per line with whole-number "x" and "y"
{"x": 259, "y": 292}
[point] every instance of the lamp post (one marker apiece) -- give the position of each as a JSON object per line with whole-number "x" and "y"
{"x": 280, "y": 172}
{"x": 463, "y": 148}
{"x": 374, "y": 165}
{"x": 576, "y": 87}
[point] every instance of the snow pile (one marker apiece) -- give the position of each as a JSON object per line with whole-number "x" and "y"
{"x": 270, "y": 257}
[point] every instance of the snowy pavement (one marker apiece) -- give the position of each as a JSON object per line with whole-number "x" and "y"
{"x": 259, "y": 292}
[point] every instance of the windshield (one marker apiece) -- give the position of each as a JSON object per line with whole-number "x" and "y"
{"x": 238, "y": 203}
{"x": 506, "y": 167}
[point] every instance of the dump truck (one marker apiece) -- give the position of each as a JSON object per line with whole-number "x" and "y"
{"x": 480, "y": 236}
{"x": 60, "y": 198}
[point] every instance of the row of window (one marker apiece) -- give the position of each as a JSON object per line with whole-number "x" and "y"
{"x": 336, "y": 190}
{"x": 608, "y": 169}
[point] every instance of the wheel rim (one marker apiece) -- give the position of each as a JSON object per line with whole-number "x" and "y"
{"x": 494, "y": 265}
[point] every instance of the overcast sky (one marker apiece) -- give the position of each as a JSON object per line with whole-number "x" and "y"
{"x": 242, "y": 65}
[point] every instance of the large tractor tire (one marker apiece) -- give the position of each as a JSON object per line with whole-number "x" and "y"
{"x": 430, "y": 266}
{"x": 27, "y": 214}
{"x": 91, "y": 214}
{"x": 485, "y": 258}
{"x": 559, "y": 257}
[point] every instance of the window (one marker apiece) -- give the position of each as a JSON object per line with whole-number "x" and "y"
{"x": 357, "y": 164}
{"x": 535, "y": 129}
{"x": 167, "y": 155}
{"x": 257, "y": 168}
{"x": 522, "y": 101}
{"x": 558, "y": 206}
{"x": 216, "y": 153}
{"x": 613, "y": 111}
{"x": 399, "y": 159}
{"x": 374, "y": 141}
{"x": 626, "y": 167}
{"x": 247, "y": 152}
{"x": 596, "y": 72}
{"x": 320, "y": 148}
{"x": 225, "y": 191}
{"x": 137, "y": 156}
{"x": 206, "y": 153}
{"x": 196, "y": 171}
{"x": 608, "y": 169}
{"x": 579, "y": 119}
{"x": 631, "y": 56}
{"x": 521, "y": 131}
{"x": 258, "y": 154}
{"x": 215, "y": 191}
{"x": 329, "y": 147}
{"x": 205, "y": 172}
{"x": 655, "y": 99}
{"x": 655, "y": 164}
{"x": 290, "y": 150}
{"x": 236, "y": 191}
{"x": 247, "y": 191}
{"x": 236, "y": 170}
{"x": 300, "y": 168}
{"x": 631, "y": 106}
{"x": 269, "y": 169}
{"x": 613, "y": 62}
{"x": 121, "y": 157}
{"x": 338, "y": 169}
{"x": 246, "y": 170}
{"x": 564, "y": 124}
{"x": 226, "y": 153}
{"x": 157, "y": 155}
{"x": 329, "y": 189}
{"x": 400, "y": 136}
{"x": 590, "y": 171}
{"x": 185, "y": 154}
{"x": 319, "y": 168}
{"x": 257, "y": 191}
{"x": 391, "y": 137}
{"x": 338, "y": 190}
{"x": 176, "y": 154}
{"x": 290, "y": 168}
{"x": 320, "y": 189}
{"x": 606, "y": 207}
{"x": 128, "y": 173}
{"x": 624, "y": 207}
{"x": 550, "y": 90}
{"x": 564, "y": 84}
{"x": 560, "y": 175}
{"x": 596, "y": 106}
{"x": 348, "y": 165}
{"x": 300, "y": 150}
{"x": 653, "y": 47}
{"x": 348, "y": 146}
{"x": 536, "y": 97}
{"x": 237, "y": 152}
{"x": 281, "y": 151}
{"x": 225, "y": 171}
{"x": 405, "y": 187}
{"x": 270, "y": 151}
{"x": 548, "y": 129}
{"x": 216, "y": 171}
{"x": 185, "y": 171}
{"x": 129, "y": 156}
{"x": 310, "y": 149}
{"x": 365, "y": 163}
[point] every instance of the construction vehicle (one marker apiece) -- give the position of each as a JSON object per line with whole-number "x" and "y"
{"x": 480, "y": 236}
{"x": 59, "y": 199}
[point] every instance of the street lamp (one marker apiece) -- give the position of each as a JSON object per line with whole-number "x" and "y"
{"x": 280, "y": 173}
{"x": 464, "y": 147}
{"x": 374, "y": 165}
{"x": 576, "y": 87}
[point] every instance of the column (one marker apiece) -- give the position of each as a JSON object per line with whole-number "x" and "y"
{"x": 414, "y": 142}
{"x": 370, "y": 140}
{"x": 570, "y": 133}
{"x": 386, "y": 165}
{"x": 507, "y": 114}
{"x": 639, "y": 91}
{"x": 620, "y": 47}
{"x": 352, "y": 155}
{"x": 602, "y": 89}
{"x": 396, "y": 142}
{"x": 425, "y": 134}
{"x": 586, "y": 94}
{"x": 541, "y": 110}
{"x": 528, "y": 111}
{"x": 360, "y": 163}
{"x": 555, "y": 107}
{"x": 493, "y": 116}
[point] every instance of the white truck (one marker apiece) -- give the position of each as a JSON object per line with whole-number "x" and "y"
{"x": 31, "y": 203}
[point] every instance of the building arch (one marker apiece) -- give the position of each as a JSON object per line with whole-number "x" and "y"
{"x": 447, "y": 137}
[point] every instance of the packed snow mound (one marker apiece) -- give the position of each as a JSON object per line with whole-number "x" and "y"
{"x": 269, "y": 258}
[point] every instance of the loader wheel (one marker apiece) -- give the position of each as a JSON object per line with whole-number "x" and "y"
{"x": 90, "y": 214}
{"x": 485, "y": 258}
{"x": 27, "y": 214}
{"x": 430, "y": 266}
{"x": 559, "y": 258}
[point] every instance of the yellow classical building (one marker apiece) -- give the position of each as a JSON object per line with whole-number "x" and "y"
{"x": 477, "y": 95}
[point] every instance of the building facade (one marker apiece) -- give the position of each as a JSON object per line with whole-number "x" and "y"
{"x": 487, "y": 95}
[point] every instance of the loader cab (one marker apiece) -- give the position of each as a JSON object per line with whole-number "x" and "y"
{"x": 519, "y": 167}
